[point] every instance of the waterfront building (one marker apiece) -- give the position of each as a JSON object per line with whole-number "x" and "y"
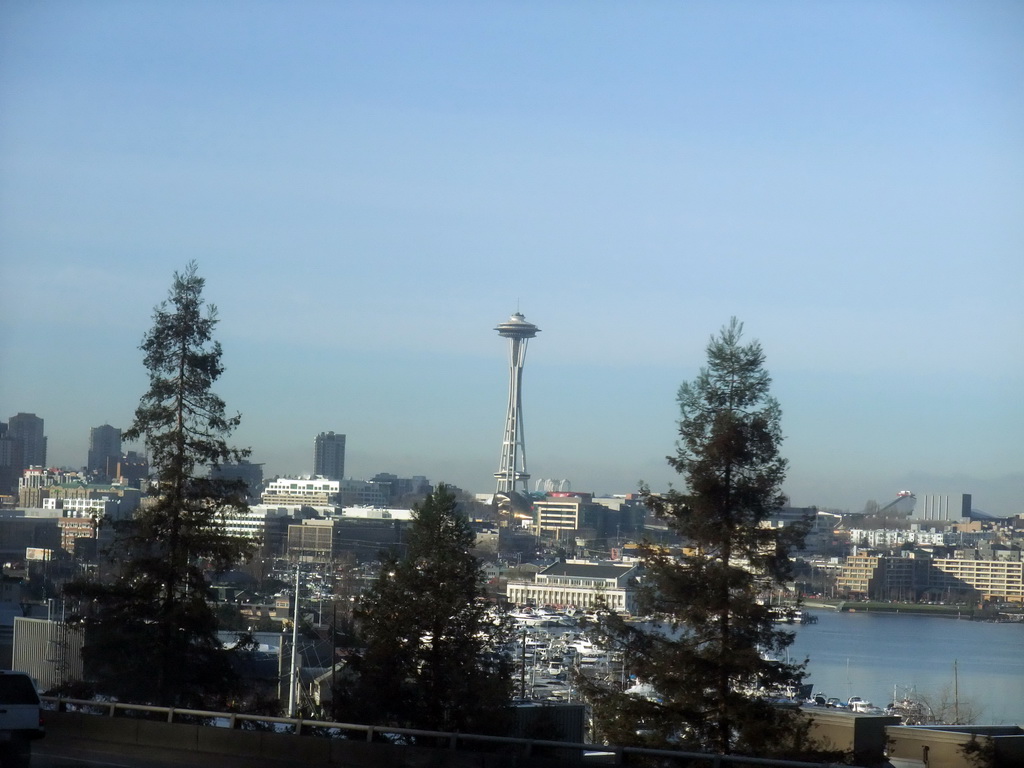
{"x": 993, "y": 580}
{"x": 579, "y": 584}
{"x": 104, "y": 450}
{"x": 949, "y": 579}
{"x": 329, "y": 456}
{"x": 859, "y": 575}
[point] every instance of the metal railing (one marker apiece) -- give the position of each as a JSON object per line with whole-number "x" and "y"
{"x": 575, "y": 752}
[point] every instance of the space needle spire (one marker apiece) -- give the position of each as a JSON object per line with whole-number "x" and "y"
{"x": 512, "y": 467}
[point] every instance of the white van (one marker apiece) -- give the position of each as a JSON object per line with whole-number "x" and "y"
{"x": 20, "y": 718}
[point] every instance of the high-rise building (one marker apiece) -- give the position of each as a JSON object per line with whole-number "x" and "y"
{"x": 104, "y": 445}
{"x": 10, "y": 462}
{"x": 512, "y": 466}
{"x": 27, "y": 430}
{"x": 329, "y": 456}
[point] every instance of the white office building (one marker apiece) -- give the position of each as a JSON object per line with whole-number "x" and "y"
{"x": 253, "y": 522}
{"x": 309, "y": 491}
{"x": 74, "y": 507}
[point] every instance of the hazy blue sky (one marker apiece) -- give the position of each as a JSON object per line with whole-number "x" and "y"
{"x": 370, "y": 187}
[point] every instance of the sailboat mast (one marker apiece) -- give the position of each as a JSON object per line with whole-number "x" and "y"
{"x": 956, "y": 694}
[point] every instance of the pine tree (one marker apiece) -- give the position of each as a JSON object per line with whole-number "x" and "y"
{"x": 150, "y": 631}
{"x": 432, "y": 655}
{"x": 710, "y": 653}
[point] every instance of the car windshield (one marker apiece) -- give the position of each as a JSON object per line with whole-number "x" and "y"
{"x": 17, "y": 689}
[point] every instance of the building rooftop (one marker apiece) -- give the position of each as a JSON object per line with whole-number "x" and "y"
{"x": 587, "y": 570}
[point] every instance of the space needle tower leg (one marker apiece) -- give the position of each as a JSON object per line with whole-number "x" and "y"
{"x": 512, "y": 466}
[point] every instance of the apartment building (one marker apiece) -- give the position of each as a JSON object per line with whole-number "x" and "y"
{"x": 914, "y": 578}
{"x": 995, "y": 580}
{"x": 860, "y": 575}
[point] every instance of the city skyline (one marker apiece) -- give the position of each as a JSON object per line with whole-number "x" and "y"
{"x": 369, "y": 190}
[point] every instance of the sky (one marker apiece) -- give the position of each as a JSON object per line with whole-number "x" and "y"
{"x": 369, "y": 188}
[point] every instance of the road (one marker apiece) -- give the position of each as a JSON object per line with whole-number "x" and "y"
{"x": 56, "y": 751}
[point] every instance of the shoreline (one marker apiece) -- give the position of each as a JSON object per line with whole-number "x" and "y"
{"x": 919, "y": 609}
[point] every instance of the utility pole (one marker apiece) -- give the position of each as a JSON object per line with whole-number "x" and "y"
{"x": 294, "y": 676}
{"x": 334, "y": 660}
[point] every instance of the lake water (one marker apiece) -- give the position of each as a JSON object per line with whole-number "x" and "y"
{"x": 867, "y": 654}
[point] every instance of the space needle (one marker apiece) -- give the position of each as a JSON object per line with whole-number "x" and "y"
{"x": 512, "y": 468}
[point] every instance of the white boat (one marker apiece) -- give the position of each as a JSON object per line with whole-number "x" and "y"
{"x": 585, "y": 649}
{"x": 860, "y": 706}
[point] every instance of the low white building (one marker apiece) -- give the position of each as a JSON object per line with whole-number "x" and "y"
{"x": 579, "y": 584}
{"x": 894, "y": 537}
{"x": 376, "y": 513}
{"x": 253, "y": 522}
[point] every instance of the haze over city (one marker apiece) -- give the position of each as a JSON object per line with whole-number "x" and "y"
{"x": 370, "y": 188}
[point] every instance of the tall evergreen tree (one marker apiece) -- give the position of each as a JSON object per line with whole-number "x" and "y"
{"x": 712, "y": 647}
{"x": 150, "y": 632}
{"x": 432, "y": 655}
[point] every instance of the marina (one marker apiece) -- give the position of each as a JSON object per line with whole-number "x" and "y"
{"x": 861, "y": 662}
{"x": 549, "y": 647}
